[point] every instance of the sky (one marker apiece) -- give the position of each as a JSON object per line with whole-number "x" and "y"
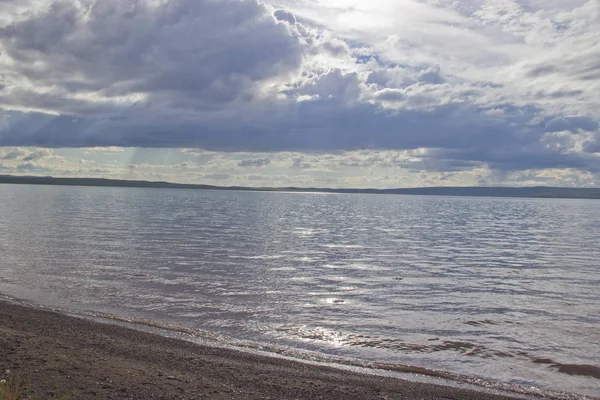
{"x": 325, "y": 93}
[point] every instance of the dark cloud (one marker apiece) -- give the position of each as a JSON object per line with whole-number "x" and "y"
{"x": 282, "y": 15}
{"x": 516, "y": 158}
{"x": 572, "y": 124}
{"x": 14, "y": 154}
{"x": 439, "y": 165}
{"x": 583, "y": 66}
{"x": 29, "y": 167}
{"x": 432, "y": 75}
{"x": 36, "y": 155}
{"x": 564, "y": 93}
{"x": 259, "y": 162}
{"x": 208, "y": 51}
{"x": 461, "y": 131}
{"x": 423, "y": 162}
{"x": 299, "y": 163}
{"x": 217, "y": 176}
{"x": 392, "y": 95}
{"x": 186, "y": 164}
{"x": 542, "y": 70}
{"x": 593, "y": 146}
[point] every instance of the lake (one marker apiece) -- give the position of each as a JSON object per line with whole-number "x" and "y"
{"x": 499, "y": 288}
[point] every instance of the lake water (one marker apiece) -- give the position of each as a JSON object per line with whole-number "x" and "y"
{"x": 507, "y": 289}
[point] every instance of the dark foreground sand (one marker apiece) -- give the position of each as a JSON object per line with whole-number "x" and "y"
{"x": 72, "y": 358}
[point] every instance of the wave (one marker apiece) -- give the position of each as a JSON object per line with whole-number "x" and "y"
{"x": 436, "y": 345}
{"x": 571, "y": 369}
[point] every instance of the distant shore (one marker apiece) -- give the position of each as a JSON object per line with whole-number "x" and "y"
{"x": 474, "y": 191}
{"x": 46, "y": 354}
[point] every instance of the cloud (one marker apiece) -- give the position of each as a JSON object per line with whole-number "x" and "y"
{"x": 36, "y": 155}
{"x": 283, "y": 15}
{"x": 259, "y": 162}
{"x": 107, "y": 149}
{"x": 27, "y": 167}
{"x": 15, "y": 154}
{"x": 31, "y": 168}
{"x": 364, "y": 168}
{"x": 181, "y": 53}
{"x": 509, "y": 85}
{"x": 390, "y": 94}
{"x": 187, "y": 164}
{"x": 300, "y": 163}
{"x": 26, "y": 154}
{"x": 431, "y": 75}
{"x": 217, "y": 176}
{"x": 572, "y": 124}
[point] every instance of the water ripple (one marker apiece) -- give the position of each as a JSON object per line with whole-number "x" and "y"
{"x": 481, "y": 286}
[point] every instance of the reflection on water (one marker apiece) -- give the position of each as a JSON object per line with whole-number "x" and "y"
{"x": 502, "y": 288}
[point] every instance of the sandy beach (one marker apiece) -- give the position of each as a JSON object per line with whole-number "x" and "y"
{"x": 55, "y": 355}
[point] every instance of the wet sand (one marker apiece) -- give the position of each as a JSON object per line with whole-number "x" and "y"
{"x": 56, "y": 355}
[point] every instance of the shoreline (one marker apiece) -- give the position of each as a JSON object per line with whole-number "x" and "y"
{"x": 55, "y": 354}
{"x": 544, "y": 192}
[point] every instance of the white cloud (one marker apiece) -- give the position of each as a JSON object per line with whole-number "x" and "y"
{"x": 26, "y": 154}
